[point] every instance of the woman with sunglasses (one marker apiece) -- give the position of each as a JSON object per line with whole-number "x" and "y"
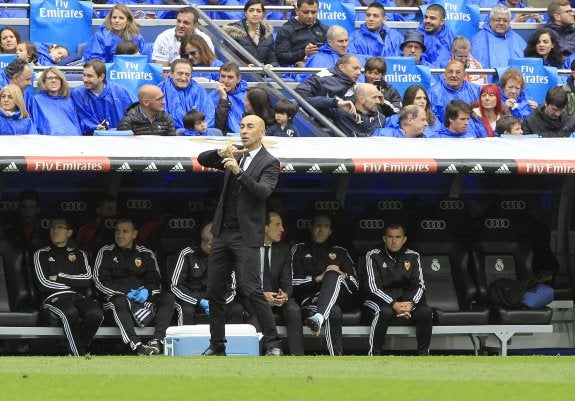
{"x": 196, "y": 49}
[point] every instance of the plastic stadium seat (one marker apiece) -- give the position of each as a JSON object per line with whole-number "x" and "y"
{"x": 455, "y": 213}
{"x": 450, "y": 290}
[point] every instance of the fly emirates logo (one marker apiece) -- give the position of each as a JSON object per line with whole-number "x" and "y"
{"x": 41, "y": 164}
{"x": 549, "y": 167}
{"x": 395, "y": 166}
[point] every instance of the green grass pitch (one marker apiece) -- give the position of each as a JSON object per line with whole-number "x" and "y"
{"x": 316, "y": 378}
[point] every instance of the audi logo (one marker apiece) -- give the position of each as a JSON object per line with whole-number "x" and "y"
{"x": 497, "y": 223}
{"x": 8, "y": 206}
{"x": 303, "y": 224}
{"x": 195, "y": 206}
{"x": 110, "y": 223}
{"x": 433, "y": 224}
{"x": 45, "y": 224}
{"x": 182, "y": 223}
{"x": 513, "y": 205}
{"x": 389, "y": 205}
{"x": 451, "y": 205}
{"x": 327, "y": 205}
{"x": 139, "y": 204}
{"x": 371, "y": 224}
{"x": 73, "y": 206}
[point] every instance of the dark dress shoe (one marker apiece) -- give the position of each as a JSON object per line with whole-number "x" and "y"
{"x": 215, "y": 350}
{"x": 274, "y": 351}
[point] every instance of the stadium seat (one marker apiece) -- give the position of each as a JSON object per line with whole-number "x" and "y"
{"x": 449, "y": 289}
{"x": 15, "y": 305}
{"x": 497, "y": 255}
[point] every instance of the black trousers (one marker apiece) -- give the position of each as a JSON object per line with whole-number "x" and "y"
{"x": 188, "y": 313}
{"x": 228, "y": 252}
{"x": 384, "y": 316}
{"x": 332, "y": 299}
{"x": 80, "y": 317}
{"x": 123, "y": 317}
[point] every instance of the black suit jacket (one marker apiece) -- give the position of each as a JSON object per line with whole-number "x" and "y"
{"x": 280, "y": 268}
{"x": 256, "y": 184}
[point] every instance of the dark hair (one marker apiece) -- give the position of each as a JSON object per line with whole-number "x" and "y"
{"x": 437, "y": 7}
{"x": 177, "y": 61}
{"x": 555, "y": 56}
{"x": 260, "y": 101}
{"x": 189, "y": 10}
{"x": 98, "y": 66}
{"x": 409, "y": 98}
{"x": 193, "y": 117}
{"x": 14, "y": 31}
{"x": 207, "y": 56}
{"x": 394, "y": 225}
{"x": 557, "y": 97}
{"x": 32, "y": 51}
{"x": 504, "y": 123}
{"x": 253, "y": 2}
{"x": 126, "y": 219}
{"x": 308, "y": 2}
{"x": 453, "y": 108}
{"x": 376, "y": 63}
{"x": 287, "y": 107}
{"x": 231, "y": 66}
{"x": 127, "y": 47}
{"x": 16, "y": 67}
{"x": 378, "y": 6}
{"x": 269, "y": 215}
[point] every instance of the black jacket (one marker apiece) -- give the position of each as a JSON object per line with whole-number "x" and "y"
{"x": 136, "y": 120}
{"x": 264, "y": 51}
{"x": 293, "y": 37}
{"x": 365, "y": 125}
{"x": 323, "y": 89}
{"x": 539, "y": 123}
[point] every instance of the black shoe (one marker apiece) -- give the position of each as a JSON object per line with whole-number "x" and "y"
{"x": 215, "y": 350}
{"x": 274, "y": 351}
{"x": 142, "y": 349}
{"x": 157, "y": 346}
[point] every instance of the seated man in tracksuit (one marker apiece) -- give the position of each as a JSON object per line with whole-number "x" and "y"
{"x": 62, "y": 271}
{"x": 394, "y": 291}
{"x": 128, "y": 276}
{"x": 188, "y": 276}
{"x": 324, "y": 282}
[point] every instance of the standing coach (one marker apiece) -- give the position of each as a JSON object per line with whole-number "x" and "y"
{"x": 251, "y": 174}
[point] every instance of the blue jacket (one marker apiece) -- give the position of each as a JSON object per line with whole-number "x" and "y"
{"x": 212, "y": 76}
{"x": 159, "y": 14}
{"x": 13, "y": 12}
{"x": 229, "y": 113}
{"x": 102, "y": 45}
{"x": 180, "y": 101}
{"x": 384, "y": 43}
{"x": 397, "y": 16}
{"x": 111, "y": 105}
{"x": 44, "y": 54}
{"x": 523, "y": 108}
{"x": 438, "y": 46}
{"x": 428, "y": 132}
{"x": 389, "y": 132}
{"x": 222, "y": 14}
{"x": 276, "y": 130}
{"x": 326, "y": 57}
{"x": 440, "y": 95}
{"x": 55, "y": 115}
{"x": 28, "y": 92}
{"x": 324, "y": 88}
{"x": 445, "y": 133}
{"x": 14, "y": 125}
{"x": 493, "y": 50}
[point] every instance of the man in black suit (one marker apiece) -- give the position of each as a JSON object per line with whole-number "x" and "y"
{"x": 277, "y": 283}
{"x": 251, "y": 174}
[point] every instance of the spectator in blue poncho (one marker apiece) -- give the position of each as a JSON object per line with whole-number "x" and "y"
{"x": 458, "y": 122}
{"x": 100, "y": 104}
{"x": 14, "y": 118}
{"x": 51, "y": 53}
{"x": 53, "y": 109}
{"x": 412, "y": 123}
{"x": 183, "y": 94}
{"x": 513, "y": 96}
{"x": 373, "y": 38}
{"x": 20, "y": 73}
{"x": 496, "y": 43}
{"x": 119, "y": 25}
{"x": 436, "y": 35}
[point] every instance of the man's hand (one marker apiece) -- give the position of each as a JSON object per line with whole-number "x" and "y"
{"x": 310, "y": 49}
{"x": 346, "y": 105}
{"x": 221, "y": 89}
{"x": 273, "y": 298}
{"x": 403, "y": 309}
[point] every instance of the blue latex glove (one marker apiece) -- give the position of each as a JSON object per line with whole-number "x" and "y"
{"x": 132, "y": 295}
{"x": 205, "y": 305}
{"x": 142, "y": 295}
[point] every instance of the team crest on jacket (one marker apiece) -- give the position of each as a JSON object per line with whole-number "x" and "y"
{"x": 332, "y": 255}
{"x": 407, "y": 265}
{"x": 138, "y": 262}
{"x": 71, "y": 257}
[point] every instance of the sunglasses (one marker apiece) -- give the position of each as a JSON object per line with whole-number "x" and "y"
{"x": 192, "y": 54}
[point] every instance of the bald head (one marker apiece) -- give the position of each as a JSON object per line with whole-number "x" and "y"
{"x": 367, "y": 98}
{"x": 151, "y": 99}
{"x": 252, "y": 129}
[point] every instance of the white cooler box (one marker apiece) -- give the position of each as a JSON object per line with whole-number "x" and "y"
{"x": 243, "y": 340}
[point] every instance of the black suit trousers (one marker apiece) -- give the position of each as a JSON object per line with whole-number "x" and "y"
{"x": 228, "y": 252}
